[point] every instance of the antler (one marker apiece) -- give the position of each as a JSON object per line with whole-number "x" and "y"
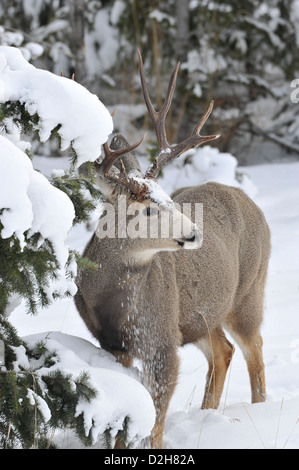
{"x": 158, "y": 118}
{"x": 168, "y": 153}
{"x": 121, "y": 178}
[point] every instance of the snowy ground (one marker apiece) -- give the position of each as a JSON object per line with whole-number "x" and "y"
{"x": 237, "y": 423}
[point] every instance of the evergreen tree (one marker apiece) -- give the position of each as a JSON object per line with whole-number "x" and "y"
{"x": 36, "y": 396}
{"x": 244, "y": 56}
{"x": 237, "y": 54}
{"x": 34, "y": 400}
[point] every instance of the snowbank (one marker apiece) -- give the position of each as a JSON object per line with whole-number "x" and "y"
{"x": 84, "y": 122}
{"x": 119, "y": 392}
{"x": 203, "y": 165}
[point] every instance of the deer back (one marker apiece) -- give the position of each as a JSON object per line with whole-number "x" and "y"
{"x": 214, "y": 279}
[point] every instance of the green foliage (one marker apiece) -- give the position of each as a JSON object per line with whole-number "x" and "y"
{"x": 250, "y": 44}
{"x": 81, "y": 191}
{"x": 26, "y": 122}
{"x": 121, "y": 438}
{"x": 32, "y": 385}
{"x": 36, "y": 396}
{"x": 80, "y": 188}
{"x": 233, "y": 52}
{"x": 26, "y": 271}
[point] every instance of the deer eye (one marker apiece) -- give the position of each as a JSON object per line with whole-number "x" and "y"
{"x": 148, "y": 211}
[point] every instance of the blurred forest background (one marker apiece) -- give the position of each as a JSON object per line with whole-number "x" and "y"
{"x": 244, "y": 55}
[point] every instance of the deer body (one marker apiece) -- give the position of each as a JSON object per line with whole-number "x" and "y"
{"x": 148, "y": 309}
{"x": 149, "y": 297}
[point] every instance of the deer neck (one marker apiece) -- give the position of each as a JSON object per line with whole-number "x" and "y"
{"x": 119, "y": 260}
{"x": 119, "y": 289}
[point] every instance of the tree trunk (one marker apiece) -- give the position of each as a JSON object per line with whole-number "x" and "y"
{"x": 182, "y": 45}
{"x": 77, "y": 22}
{"x": 182, "y": 19}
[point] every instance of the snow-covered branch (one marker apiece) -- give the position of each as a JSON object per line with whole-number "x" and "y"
{"x": 79, "y": 117}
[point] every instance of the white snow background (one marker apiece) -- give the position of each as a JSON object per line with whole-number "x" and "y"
{"x": 237, "y": 423}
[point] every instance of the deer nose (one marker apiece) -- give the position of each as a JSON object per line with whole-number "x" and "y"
{"x": 191, "y": 241}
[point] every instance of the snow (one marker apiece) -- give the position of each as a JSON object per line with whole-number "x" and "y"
{"x": 85, "y": 123}
{"x": 35, "y": 50}
{"x": 21, "y": 358}
{"x": 237, "y": 423}
{"x": 155, "y": 191}
{"x": 239, "y": 38}
{"x": 30, "y": 204}
{"x": 101, "y": 59}
{"x": 17, "y": 215}
{"x": 203, "y": 165}
{"x": 275, "y": 39}
{"x": 81, "y": 121}
{"x": 119, "y": 392}
{"x": 41, "y": 404}
{"x": 254, "y": 426}
{"x": 117, "y": 10}
{"x": 40, "y": 208}
{"x": 30, "y": 50}
{"x": 160, "y": 16}
{"x": 36, "y": 205}
{"x": 204, "y": 60}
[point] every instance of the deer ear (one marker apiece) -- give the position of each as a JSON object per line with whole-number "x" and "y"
{"x": 129, "y": 160}
{"x": 107, "y": 188}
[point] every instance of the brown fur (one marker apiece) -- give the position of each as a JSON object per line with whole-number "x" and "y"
{"x": 147, "y": 310}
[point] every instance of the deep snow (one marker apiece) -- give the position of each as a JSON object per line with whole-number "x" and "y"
{"x": 237, "y": 423}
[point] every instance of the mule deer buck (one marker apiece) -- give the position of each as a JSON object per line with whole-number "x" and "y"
{"x": 152, "y": 295}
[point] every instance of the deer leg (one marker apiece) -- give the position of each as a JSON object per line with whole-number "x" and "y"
{"x": 156, "y": 437}
{"x": 218, "y": 351}
{"x": 256, "y": 369}
{"x": 252, "y": 351}
{"x": 124, "y": 358}
{"x": 244, "y": 326}
{"x": 160, "y": 379}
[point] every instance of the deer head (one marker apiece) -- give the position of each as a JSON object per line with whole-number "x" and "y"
{"x": 119, "y": 174}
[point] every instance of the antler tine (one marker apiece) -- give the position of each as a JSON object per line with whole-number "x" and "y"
{"x": 168, "y": 153}
{"x": 202, "y": 139}
{"x": 192, "y": 142}
{"x": 138, "y": 189}
{"x": 158, "y": 117}
{"x": 112, "y": 155}
{"x": 147, "y": 99}
{"x": 204, "y": 119}
{"x": 170, "y": 91}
